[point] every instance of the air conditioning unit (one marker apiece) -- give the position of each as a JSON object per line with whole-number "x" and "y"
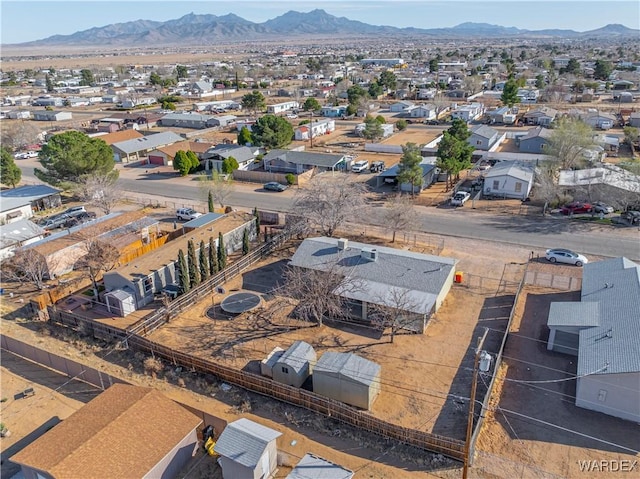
{"x": 343, "y": 244}
{"x": 370, "y": 254}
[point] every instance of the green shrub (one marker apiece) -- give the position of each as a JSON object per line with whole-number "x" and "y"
{"x": 291, "y": 179}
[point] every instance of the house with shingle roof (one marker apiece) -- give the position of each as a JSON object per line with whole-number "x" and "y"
{"x": 603, "y": 331}
{"x": 483, "y": 137}
{"x": 379, "y": 275}
{"x": 536, "y": 140}
{"x": 288, "y": 161}
{"x": 166, "y": 154}
{"x": 542, "y": 116}
{"x": 247, "y": 450}
{"x": 244, "y": 155}
{"x": 127, "y": 431}
{"x": 138, "y": 148}
{"x": 20, "y": 203}
{"x": 509, "y": 179}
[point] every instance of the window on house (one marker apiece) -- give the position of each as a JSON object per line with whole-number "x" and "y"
{"x": 285, "y": 370}
{"x": 518, "y": 188}
{"x": 602, "y": 395}
{"x": 147, "y": 284}
{"x": 479, "y": 142}
{"x": 496, "y": 184}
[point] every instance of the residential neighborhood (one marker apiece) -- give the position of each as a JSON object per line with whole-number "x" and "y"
{"x": 316, "y": 247}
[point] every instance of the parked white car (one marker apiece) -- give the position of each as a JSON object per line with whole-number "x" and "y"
{"x": 460, "y": 198}
{"x": 360, "y": 166}
{"x": 187, "y": 214}
{"x": 559, "y": 255}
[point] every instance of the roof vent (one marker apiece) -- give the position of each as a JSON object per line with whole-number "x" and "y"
{"x": 343, "y": 244}
{"x": 370, "y": 254}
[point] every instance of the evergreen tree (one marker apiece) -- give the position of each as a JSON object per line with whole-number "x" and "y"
{"x": 10, "y": 173}
{"x": 256, "y": 215}
{"x": 510, "y": 93}
{"x": 210, "y": 201}
{"x": 222, "y": 252}
{"x": 183, "y": 274}
{"x": 409, "y": 169}
{"x": 213, "y": 257}
{"x": 204, "y": 262}
{"x": 192, "y": 262}
{"x": 245, "y": 242}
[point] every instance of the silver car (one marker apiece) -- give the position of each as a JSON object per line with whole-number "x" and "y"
{"x": 559, "y": 255}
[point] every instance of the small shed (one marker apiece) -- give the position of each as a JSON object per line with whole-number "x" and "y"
{"x": 347, "y": 377}
{"x": 266, "y": 365}
{"x": 295, "y": 365}
{"x": 314, "y": 467}
{"x": 247, "y": 450}
{"x": 120, "y": 302}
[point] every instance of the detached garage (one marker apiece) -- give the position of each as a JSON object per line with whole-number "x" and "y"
{"x": 348, "y": 378}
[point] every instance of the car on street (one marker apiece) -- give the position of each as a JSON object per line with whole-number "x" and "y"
{"x": 576, "y": 207}
{"x": 460, "y": 198}
{"x": 560, "y": 255}
{"x": 26, "y": 154}
{"x": 187, "y": 214}
{"x": 292, "y": 116}
{"x": 600, "y": 207}
{"x": 631, "y": 216}
{"x": 360, "y": 166}
{"x": 275, "y": 186}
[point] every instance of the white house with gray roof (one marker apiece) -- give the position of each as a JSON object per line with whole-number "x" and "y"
{"x": 483, "y": 137}
{"x": 288, "y": 161}
{"x": 509, "y": 179}
{"x": 603, "y": 331}
{"x": 379, "y": 275}
{"x": 348, "y": 378}
{"x": 247, "y": 450}
{"x": 295, "y": 365}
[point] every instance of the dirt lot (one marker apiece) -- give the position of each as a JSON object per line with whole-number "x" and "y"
{"x": 526, "y": 446}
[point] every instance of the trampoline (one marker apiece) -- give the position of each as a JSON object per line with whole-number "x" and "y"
{"x": 240, "y": 302}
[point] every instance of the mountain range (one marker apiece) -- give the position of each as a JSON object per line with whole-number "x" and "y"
{"x": 193, "y": 29}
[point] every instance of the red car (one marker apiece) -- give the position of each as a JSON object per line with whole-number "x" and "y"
{"x": 576, "y": 207}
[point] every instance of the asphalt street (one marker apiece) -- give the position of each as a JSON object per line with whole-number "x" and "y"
{"x": 535, "y": 232}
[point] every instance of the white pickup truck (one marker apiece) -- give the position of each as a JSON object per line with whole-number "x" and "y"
{"x": 360, "y": 166}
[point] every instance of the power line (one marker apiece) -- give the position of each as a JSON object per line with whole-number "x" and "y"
{"x": 548, "y": 381}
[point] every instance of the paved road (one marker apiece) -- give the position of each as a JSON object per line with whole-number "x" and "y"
{"x": 535, "y": 232}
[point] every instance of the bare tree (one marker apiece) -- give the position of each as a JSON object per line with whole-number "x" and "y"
{"x": 19, "y": 134}
{"x": 399, "y": 214}
{"x": 100, "y": 256}
{"x": 546, "y": 186}
{"x": 328, "y": 203}
{"x": 100, "y": 191}
{"x": 317, "y": 292}
{"x": 396, "y": 311}
{"x": 220, "y": 186}
{"x": 26, "y": 266}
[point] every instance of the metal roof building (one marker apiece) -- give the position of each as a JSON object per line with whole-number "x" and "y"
{"x": 314, "y": 467}
{"x": 295, "y": 365}
{"x": 247, "y": 450}
{"x": 347, "y": 377}
{"x": 132, "y": 150}
{"x": 605, "y": 326}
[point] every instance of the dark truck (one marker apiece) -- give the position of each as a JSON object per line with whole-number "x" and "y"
{"x": 377, "y": 166}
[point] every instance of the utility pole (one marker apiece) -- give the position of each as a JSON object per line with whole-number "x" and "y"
{"x": 311, "y": 128}
{"x": 474, "y": 383}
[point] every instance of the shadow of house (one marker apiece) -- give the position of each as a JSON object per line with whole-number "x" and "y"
{"x": 265, "y": 279}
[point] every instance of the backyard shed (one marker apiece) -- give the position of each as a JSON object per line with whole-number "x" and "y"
{"x": 314, "y": 467}
{"x": 295, "y": 365}
{"x": 247, "y": 450}
{"x": 120, "y": 302}
{"x": 266, "y": 365}
{"x": 347, "y": 377}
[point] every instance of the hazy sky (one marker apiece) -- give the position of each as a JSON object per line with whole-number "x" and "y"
{"x": 27, "y": 20}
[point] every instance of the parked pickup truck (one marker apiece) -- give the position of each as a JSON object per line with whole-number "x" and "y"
{"x": 460, "y": 198}
{"x": 360, "y": 166}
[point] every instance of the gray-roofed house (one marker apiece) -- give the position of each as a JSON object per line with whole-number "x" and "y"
{"x": 295, "y": 365}
{"x": 535, "y": 141}
{"x": 483, "y": 137}
{"x": 348, "y": 378}
{"x": 378, "y": 275}
{"x": 314, "y": 467}
{"x": 46, "y": 115}
{"x": 509, "y": 179}
{"x": 20, "y": 203}
{"x": 244, "y": 155}
{"x": 542, "y": 116}
{"x": 247, "y": 450}
{"x": 187, "y": 120}
{"x": 16, "y": 234}
{"x": 288, "y": 161}
{"x": 390, "y": 176}
{"x": 603, "y": 330}
{"x": 138, "y": 148}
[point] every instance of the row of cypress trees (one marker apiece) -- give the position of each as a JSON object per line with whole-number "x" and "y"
{"x": 192, "y": 269}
